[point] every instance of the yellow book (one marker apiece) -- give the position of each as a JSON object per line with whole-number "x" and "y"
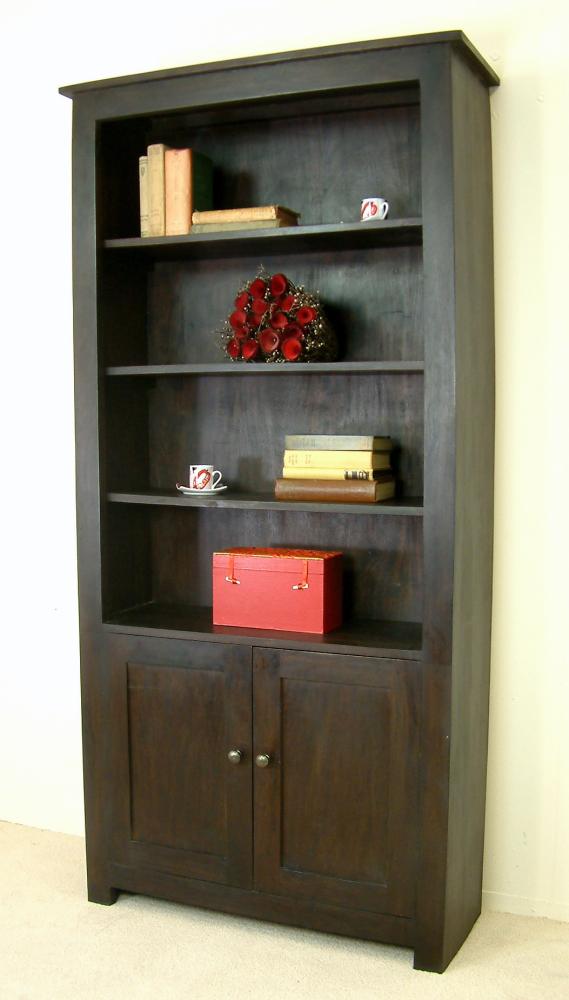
{"x": 307, "y": 472}
{"x": 337, "y": 459}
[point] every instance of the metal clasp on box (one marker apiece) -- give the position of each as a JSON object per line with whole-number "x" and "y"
{"x": 303, "y": 585}
{"x": 231, "y": 568}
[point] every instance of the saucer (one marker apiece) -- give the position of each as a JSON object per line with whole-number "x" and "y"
{"x": 188, "y": 491}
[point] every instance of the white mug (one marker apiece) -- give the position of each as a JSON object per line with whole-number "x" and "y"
{"x": 202, "y": 477}
{"x": 373, "y": 209}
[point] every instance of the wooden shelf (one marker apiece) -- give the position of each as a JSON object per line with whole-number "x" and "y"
{"x": 285, "y": 368}
{"x": 406, "y": 506}
{"x": 335, "y": 236}
{"x": 401, "y": 640}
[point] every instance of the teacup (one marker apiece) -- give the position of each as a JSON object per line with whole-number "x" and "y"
{"x": 374, "y": 209}
{"x": 203, "y": 477}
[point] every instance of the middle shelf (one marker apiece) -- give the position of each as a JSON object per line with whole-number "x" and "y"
{"x": 405, "y": 506}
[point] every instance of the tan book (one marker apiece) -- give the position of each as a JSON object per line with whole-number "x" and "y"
{"x": 188, "y": 184}
{"x": 310, "y": 472}
{"x": 229, "y": 227}
{"x": 143, "y": 188}
{"x": 156, "y": 189}
{"x": 255, "y": 214}
{"x": 337, "y": 459}
{"x": 326, "y": 491}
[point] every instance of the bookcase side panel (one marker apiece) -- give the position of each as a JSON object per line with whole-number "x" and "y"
{"x": 89, "y": 417}
{"x": 439, "y": 477}
{"x": 472, "y": 596}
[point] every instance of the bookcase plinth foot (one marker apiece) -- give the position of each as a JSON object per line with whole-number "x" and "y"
{"x": 106, "y": 895}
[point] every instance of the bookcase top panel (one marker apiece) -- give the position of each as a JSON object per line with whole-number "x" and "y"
{"x": 456, "y": 39}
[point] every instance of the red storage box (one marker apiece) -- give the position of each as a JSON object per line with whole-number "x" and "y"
{"x": 294, "y": 590}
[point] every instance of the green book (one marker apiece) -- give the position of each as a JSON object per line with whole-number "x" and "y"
{"x": 202, "y": 182}
{"x": 221, "y": 227}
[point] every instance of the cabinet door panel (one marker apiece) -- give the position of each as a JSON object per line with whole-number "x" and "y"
{"x": 180, "y": 805}
{"x": 335, "y": 810}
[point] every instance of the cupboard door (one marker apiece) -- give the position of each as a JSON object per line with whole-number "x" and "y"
{"x": 335, "y": 806}
{"x": 181, "y": 805}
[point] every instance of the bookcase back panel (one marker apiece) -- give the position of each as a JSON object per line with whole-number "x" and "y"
{"x": 373, "y": 299}
{"x": 382, "y": 566}
{"x": 319, "y": 157}
{"x": 318, "y": 165}
{"x": 219, "y": 420}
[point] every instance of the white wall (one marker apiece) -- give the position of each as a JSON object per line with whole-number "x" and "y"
{"x": 44, "y": 46}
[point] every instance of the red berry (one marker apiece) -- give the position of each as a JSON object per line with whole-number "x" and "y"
{"x": 278, "y": 285}
{"x": 250, "y": 349}
{"x": 291, "y": 348}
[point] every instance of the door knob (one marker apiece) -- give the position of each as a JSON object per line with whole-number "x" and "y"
{"x": 235, "y": 756}
{"x": 262, "y": 760}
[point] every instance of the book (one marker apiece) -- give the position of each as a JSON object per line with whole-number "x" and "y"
{"x": 333, "y": 442}
{"x": 310, "y": 472}
{"x": 143, "y": 189}
{"x": 188, "y": 182}
{"x": 255, "y": 214}
{"x": 156, "y": 189}
{"x": 222, "y": 227}
{"x": 363, "y": 491}
{"x": 336, "y": 459}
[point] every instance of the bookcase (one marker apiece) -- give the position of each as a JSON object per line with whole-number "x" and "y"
{"x": 368, "y": 820}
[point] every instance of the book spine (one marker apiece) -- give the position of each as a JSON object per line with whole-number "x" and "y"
{"x": 297, "y": 472}
{"x": 333, "y": 492}
{"x": 143, "y": 189}
{"x": 156, "y": 190}
{"x": 335, "y": 442}
{"x": 178, "y": 191}
{"x": 337, "y": 459}
{"x": 257, "y": 213}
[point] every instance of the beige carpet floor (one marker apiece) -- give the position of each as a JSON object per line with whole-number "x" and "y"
{"x": 54, "y": 945}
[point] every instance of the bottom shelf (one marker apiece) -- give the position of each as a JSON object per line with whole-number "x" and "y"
{"x": 398, "y": 640}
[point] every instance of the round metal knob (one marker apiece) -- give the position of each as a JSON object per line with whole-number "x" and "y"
{"x": 262, "y": 760}
{"x": 235, "y": 756}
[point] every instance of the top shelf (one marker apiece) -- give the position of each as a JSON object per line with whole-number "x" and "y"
{"x": 336, "y": 236}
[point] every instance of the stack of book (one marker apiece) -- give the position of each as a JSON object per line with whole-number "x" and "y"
{"x": 336, "y": 468}
{"x": 173, "y": 183}
{"x": 257, "y": 217}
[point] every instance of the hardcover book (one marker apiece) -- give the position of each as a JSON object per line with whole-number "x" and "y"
{"x": 188, "y": 179}
{"x": 361, "y": 491}
{"x": 257, "y": 213}
{"x": 334, "y": 442}
{"x": 143, "y": 190}
{"x": 221, "y": 227}
{"x": 313, "y": 472}
{"x": 156, "y": 189}
{"x": 337, "y": 459}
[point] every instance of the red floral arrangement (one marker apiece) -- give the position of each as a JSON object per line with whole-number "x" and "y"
{"x": 276, "y": 320}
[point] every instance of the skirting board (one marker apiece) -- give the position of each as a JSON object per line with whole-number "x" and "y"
{"x": 524, "y": 907}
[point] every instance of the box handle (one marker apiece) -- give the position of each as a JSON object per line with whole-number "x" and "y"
{"x": 231, "y": 578}
{"x": 303, "y": 585}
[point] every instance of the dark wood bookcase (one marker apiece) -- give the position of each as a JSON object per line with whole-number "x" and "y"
{"x": 368, "y": 820}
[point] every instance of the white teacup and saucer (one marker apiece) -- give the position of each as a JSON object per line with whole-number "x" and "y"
{"x": 204, "y": 480}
